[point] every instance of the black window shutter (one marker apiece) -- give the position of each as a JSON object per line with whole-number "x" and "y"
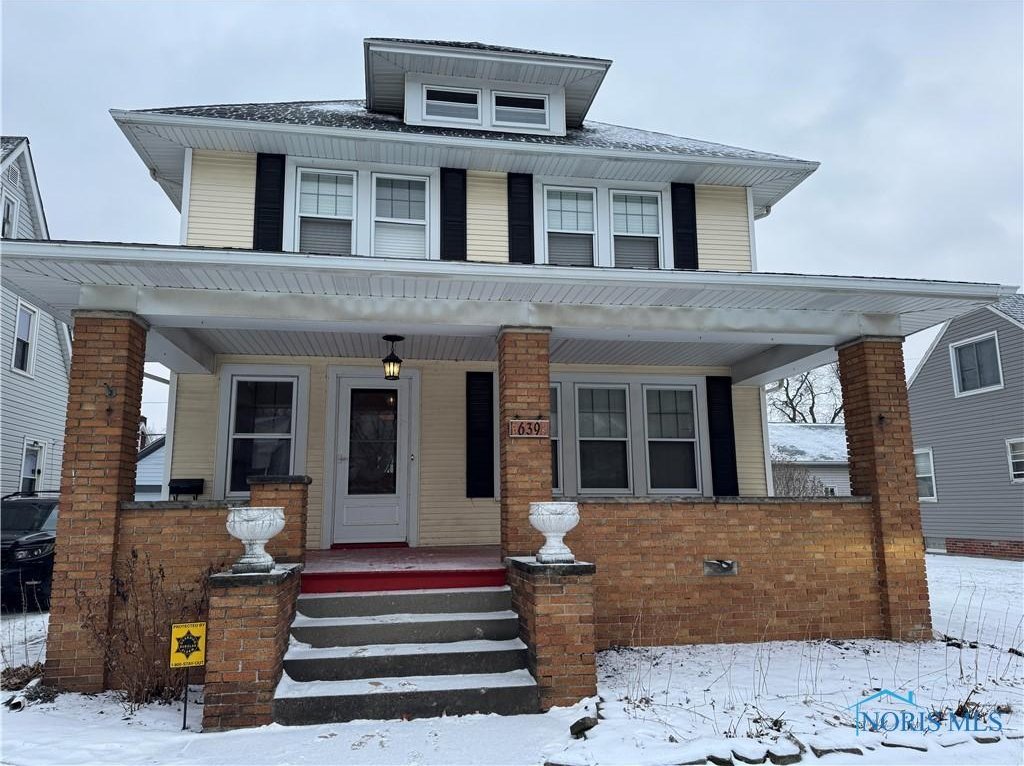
{"x": 479, "y": 434}
{"x": 453, "y": 214}
{"x": 268, "y": 221}
{"x": 722, "y": 438}
{"x": 520, "y": 218}
{"x": 684, "y": 226}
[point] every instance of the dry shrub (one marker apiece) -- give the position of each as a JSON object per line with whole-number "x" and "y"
{"x": 17, "y": 678}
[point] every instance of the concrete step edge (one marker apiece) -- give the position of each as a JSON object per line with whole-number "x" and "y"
{"x": 298, "y": 651}
{"x": 404, "y": 618}
{"x": 288, "y": 688}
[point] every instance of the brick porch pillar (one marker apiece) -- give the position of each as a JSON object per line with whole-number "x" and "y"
{"x": 292, "y": 494}
{"x": 101, "y": 441}
{"x": 524, "y": 392}
{"x": 882, "y": 465}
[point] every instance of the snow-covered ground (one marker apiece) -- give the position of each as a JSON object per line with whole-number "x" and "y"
{"x": 23, "y": 638}
{"x": 660, "y": 706}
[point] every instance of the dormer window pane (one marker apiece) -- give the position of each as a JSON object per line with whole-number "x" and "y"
{"x": 514, "y": 109}
{"x": 450, "y": 104}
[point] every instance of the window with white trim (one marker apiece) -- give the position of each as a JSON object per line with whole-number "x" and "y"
{"x": 671, "y": 423}
{"x": 31, "y": 466}
{"x": 326, "y": 207}
{"x": 400, "y": 216}
{"x": 636, "y": 229}
{"x": 10, "y": 218}
{"x": 924, "y": 471}
{"x": 451, "y": 104}
{"x": 1015, "y": 456}
{"x": 976, "y": 365}
{"x": 602, "y": 437}
{"x": 261, "y": 440}
{"x": 23, "y": 356}
{"x": 556, "y": 438}
{"x": 519, "y": 110}
{"x": 570, "y": 216}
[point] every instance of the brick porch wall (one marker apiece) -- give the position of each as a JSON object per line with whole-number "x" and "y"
{"x": 806, "y": 570}
{"x": 292, "y": 494}
{"x": 997, "y": 549}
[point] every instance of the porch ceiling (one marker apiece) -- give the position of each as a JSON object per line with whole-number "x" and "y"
{"x": 203, "y": 302}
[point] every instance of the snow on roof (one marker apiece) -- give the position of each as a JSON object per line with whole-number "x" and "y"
{"x": 352, "y": 114}
{"x": 474, "y": 46}
{"x": 1013, "y": 307}
{"x": 808, "y": 442}
{"x": 8, "y": 144}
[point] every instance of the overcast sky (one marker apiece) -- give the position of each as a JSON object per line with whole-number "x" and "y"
{"x": 913, "y": 109}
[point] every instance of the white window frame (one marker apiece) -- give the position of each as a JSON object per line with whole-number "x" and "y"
{"x": 955, "y": 367}
{"x": 628, "y": 489}
{"x": 931, "y": 465}
{"x": 230, "y": 373}
{"x": 432, "y": 119}
{"x": 374, "y": 220}
{"x": 16, "y": 207}
{"x": 506, "y": 123}
{"x": 698, "y": 468}
{"x": 660, "y": 236}
{"x": 30, "y": 366}
{"x": 36, "y": 444}
{"x": 556, "y": 390}
{"x": 594, "y": 229}
{"x": 296, "y": 204}
{"x": 1009, "y": 460}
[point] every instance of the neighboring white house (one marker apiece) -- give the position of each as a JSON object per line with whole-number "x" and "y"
{"x": 149, "y": 471}
{"x": 819, "y": 448}
{"x": 35, "y": 349}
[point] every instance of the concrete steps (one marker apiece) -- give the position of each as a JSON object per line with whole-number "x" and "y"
{"x": 404, "y": 654}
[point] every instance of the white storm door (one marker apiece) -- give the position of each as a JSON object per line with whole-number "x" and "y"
{"x": 373, "y": 461}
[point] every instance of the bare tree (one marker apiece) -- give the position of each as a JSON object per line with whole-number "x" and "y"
{"x": 793, "y": 480}
{"x": 811, "y": 397}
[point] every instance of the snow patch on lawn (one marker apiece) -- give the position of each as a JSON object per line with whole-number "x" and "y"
{"x": 23, "y": 638}
{"x": 976, "y": 599}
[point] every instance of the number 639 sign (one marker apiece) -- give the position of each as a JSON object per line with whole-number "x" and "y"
{"x": 529, "y": 429}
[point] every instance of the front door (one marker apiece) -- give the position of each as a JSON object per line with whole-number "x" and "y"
{"x": 373, "y": 454}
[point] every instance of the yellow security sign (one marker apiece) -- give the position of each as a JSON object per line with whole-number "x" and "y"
{"x": 188, "y": 644}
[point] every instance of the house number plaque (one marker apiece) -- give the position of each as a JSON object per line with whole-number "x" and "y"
{"x": 529, "y": 429}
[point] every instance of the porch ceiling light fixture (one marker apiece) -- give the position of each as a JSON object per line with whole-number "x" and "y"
{"x": 392, "y": 362}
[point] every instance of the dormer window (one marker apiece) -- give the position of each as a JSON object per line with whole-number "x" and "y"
{"x": 451, "y": 104}
{"x": 520, "y": 110}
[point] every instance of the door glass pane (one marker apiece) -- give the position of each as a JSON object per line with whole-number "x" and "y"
{"x": 673, "y": 465}
{"x": 258, "y": 457}
{"x": 603, "y": 465}
{"x": 373, "y": 442}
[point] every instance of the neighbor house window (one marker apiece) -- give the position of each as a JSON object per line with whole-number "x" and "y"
{"x": 1015, "y": 454}
{"x": 671, "y": 438}
{"x": 451, "y": 104}
{"x": 520, "y": 110}
{"x": 556, "y": 439}
{"x": 327, "y": 208}
{"x": 636, "y": 230}
{"x": 976, "y": 366}
{"x": 31, "y": 466}
{"x": 262, "y": 429}
{"x": 602, "y": 427}
{"x": 24, "y": 338}
{"x": 570, "y": 215}
{"x": 924, "y": 469}
{"x": 10, "y": 218}
{"x": 400, "y": 217}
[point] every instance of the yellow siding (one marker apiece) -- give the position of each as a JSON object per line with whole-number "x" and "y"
{"x": 746, "y": 411}
{"x": 723, "y": 228}
{"x": 221, "y": 200}
{"x": 195, "y": 429}
{"x": 487, "y": 216}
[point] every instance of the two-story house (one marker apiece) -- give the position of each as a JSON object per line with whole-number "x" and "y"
{"x": 406, "y": 318}
{"x": 967, "y": 408}
{"x": 35, "y": 348}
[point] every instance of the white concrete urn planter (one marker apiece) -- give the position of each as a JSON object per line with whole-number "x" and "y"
{"x": 554, "y": 521}
{"x": 254, "y": 527}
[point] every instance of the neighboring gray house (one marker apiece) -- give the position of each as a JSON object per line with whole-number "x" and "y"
{"x": 967, "y": 412}
{"x": 35, "y": 349}
{"x": 149, "y": 471}
{"x": 817, "y": 448}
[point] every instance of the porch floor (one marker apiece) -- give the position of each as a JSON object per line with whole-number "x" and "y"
{"x": 370, "y": 569}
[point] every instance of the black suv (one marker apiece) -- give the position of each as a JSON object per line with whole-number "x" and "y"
{"x": 28, "y": 530}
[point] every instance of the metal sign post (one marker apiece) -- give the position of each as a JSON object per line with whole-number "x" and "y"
{"x": 188, "y": 650}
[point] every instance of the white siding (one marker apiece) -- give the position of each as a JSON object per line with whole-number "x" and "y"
{"x": 222, "y": 199}
{"x": 149, "y": 472}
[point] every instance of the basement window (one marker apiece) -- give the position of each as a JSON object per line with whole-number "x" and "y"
{"x": 451, "y": 104}
{"x": 519, "y": 110}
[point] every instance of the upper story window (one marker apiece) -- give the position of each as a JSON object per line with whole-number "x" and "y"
{"x": 451, "y": 104}
{"x": 976, "y": 365}
{"x": 636, "y": 229}
{"x": 23, "y": 356}
{"x": 570, "y": 216}
{"x": 327, "y": 210}
{"x": 400, "y": 216}
{"x": 519, "y": 110}
{"x": 10, "y": 218}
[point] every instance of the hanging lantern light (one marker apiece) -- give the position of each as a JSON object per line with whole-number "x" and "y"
{"x": 392, "y": 362}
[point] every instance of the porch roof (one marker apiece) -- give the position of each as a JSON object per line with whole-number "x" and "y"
{"x": 204, "y": 301}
